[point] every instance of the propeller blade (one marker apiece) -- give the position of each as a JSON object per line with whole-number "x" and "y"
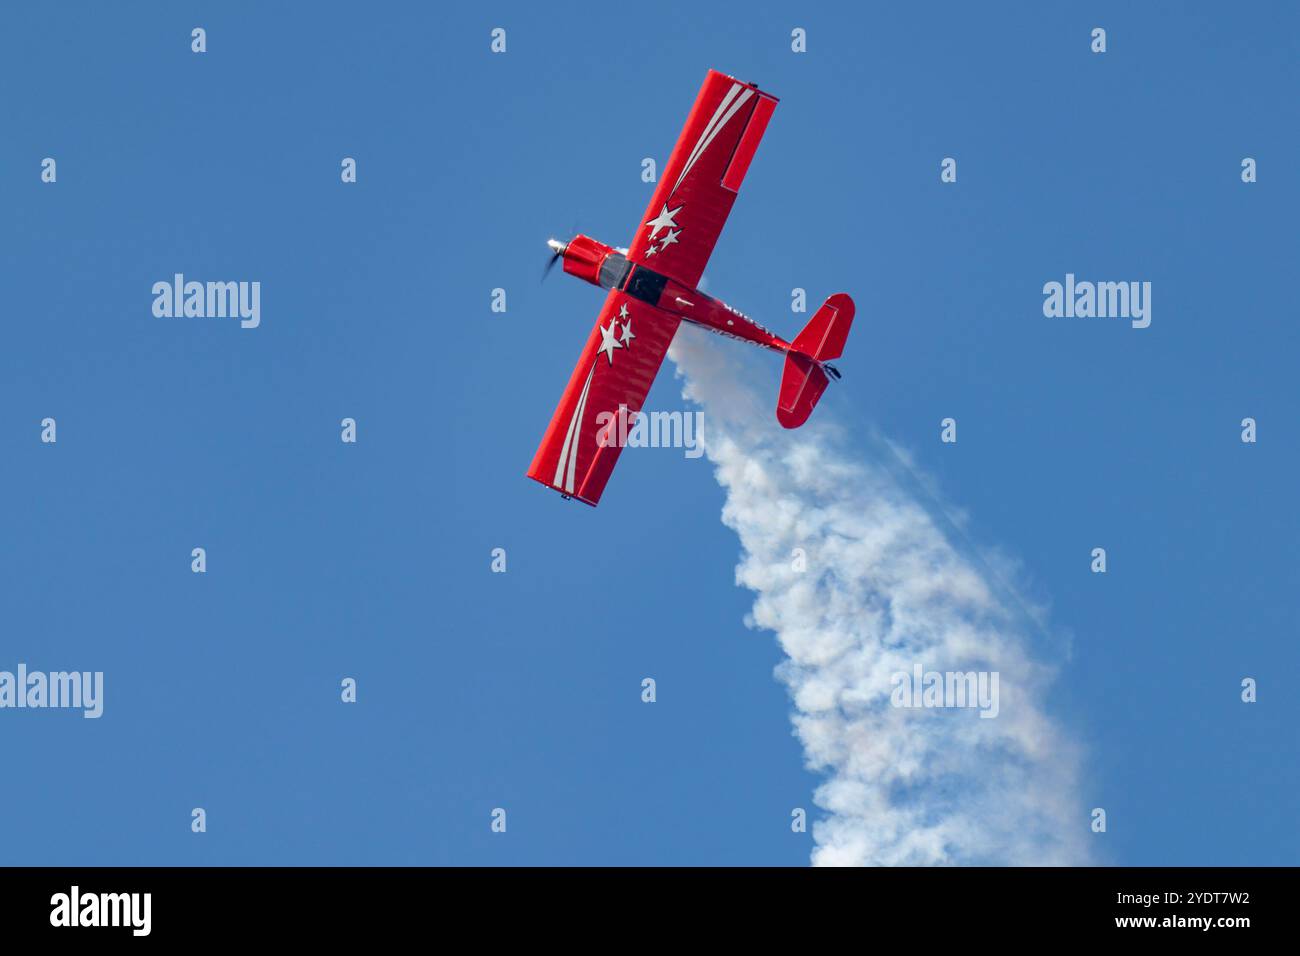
{"x": 556, "y": 255}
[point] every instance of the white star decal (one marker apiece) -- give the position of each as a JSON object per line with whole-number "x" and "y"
{"x": 650, "y": 250}
{"x": 608, "y": 341}
{"x": 622, "y": 311}
{"x": 668, "y": 239}
{"x": 665, "y": 220}
{"x": 627, "y": 332}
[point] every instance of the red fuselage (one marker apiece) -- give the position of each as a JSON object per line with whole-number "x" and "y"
{"x": 608, "y": 268}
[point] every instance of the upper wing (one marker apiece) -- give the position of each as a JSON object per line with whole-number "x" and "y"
{"x": 699, "y": 184}
{"x": 617, "y": 366}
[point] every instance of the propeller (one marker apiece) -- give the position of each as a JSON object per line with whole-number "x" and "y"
{"x": 557, "y": 253}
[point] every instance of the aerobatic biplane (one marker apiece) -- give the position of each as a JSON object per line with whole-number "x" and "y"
{"x": 653, "y": 288}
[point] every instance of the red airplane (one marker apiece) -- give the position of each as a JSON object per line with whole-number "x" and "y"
{"x": 652, "y": 288}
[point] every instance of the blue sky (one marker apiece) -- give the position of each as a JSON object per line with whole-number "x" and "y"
{"x": 522, "y": 690}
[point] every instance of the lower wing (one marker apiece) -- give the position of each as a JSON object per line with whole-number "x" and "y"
{"x": 617, "y": 366}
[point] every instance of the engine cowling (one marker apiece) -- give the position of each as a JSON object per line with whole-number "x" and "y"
{"x": 595, "y": 262}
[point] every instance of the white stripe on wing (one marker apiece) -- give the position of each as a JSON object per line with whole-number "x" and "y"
{"x": 569, "y": 457}
{"x": 711, "y": 130}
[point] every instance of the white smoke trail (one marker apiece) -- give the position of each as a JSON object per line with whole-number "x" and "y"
{"x": 885, "y": 588}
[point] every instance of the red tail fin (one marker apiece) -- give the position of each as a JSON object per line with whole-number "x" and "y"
{"x": 803, "y": 381}
{"x": 802, "y": 385}
{"x": 824, "y": 335}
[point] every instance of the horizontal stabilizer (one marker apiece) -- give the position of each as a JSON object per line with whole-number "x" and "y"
{"x": 802, "y": 385}
{"x": 804, "y": 380}
{"x": 824, "y": 336}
